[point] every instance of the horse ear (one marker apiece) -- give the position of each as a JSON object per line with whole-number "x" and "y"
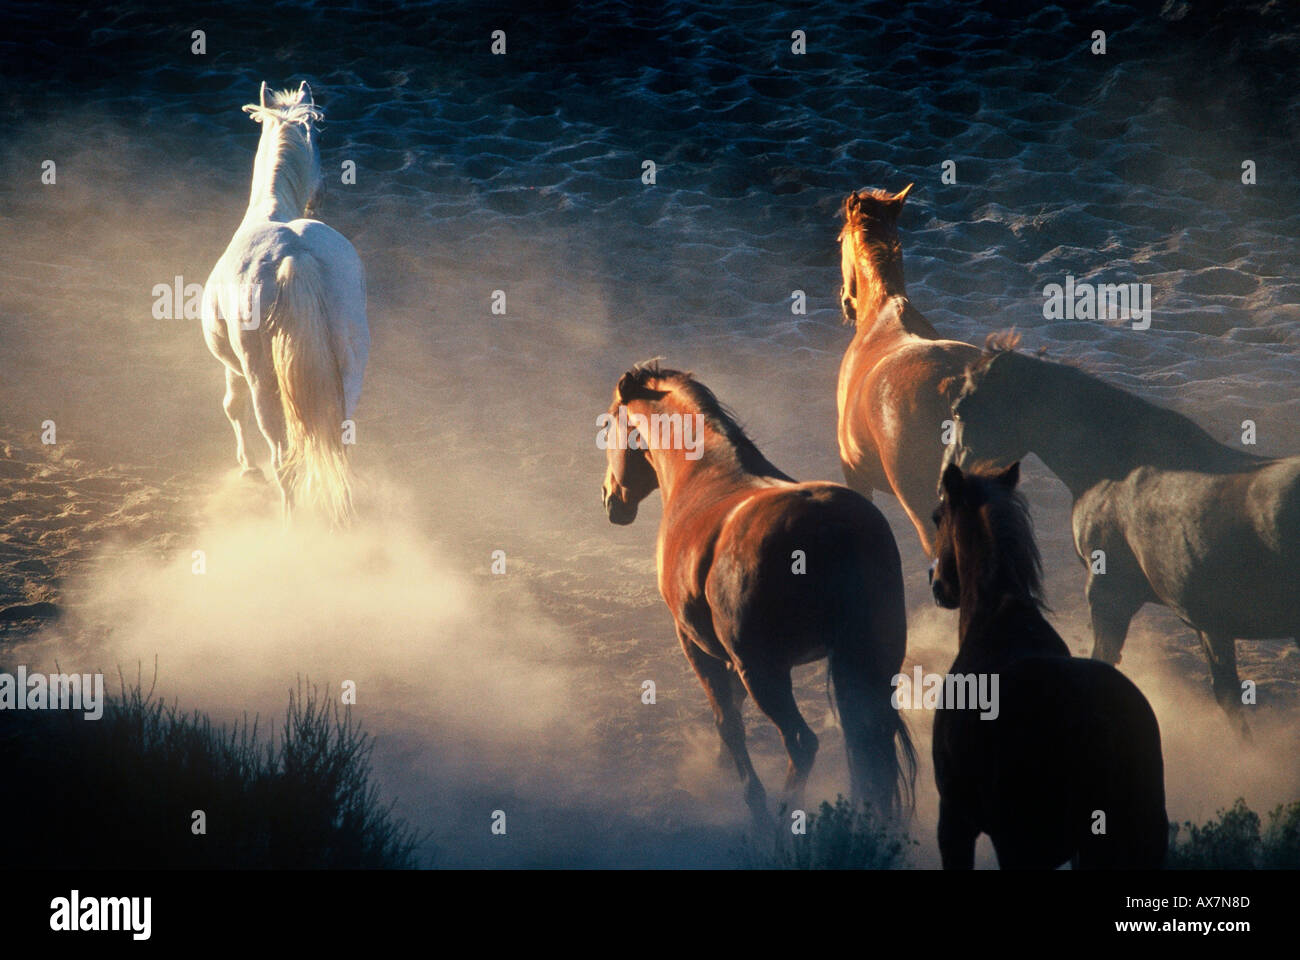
{"x": 852, "y": 203}
{"x": 1010, "y": 476}
{"x": 261, "y": 97}
{"x": 304, "y": 93}
{"x": 630, "y": 388}
{"x": 952, "y": 483}
{"x": 626, "y": 387}
{"x": 895, "y": 203}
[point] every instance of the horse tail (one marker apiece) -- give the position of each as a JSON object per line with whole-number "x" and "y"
{"x": 882, "y": 758}
{"x": 311, "y": 389}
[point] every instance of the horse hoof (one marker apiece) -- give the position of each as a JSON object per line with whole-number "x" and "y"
{"x": 253, "y": 475}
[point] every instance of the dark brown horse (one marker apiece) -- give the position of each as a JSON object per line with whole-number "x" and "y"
{"x": 1163, "y": 513}
{"x": 898, "y": 377}
{"x": 1068, "y": 764}
{"x": 762, "y": 573}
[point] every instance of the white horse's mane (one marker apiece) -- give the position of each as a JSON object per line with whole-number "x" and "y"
{"x": 286, "y": 106}
{"x": 287, "y": 167}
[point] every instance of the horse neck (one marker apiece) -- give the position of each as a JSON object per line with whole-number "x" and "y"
{"x": 996, "y": 628}
{"x": 1116, "y": 433}
{"x": 272, "y": 196}
{"x": 999, "y": 617}
{"x": 723, "y": 465}
{"x": 879, "y": 283}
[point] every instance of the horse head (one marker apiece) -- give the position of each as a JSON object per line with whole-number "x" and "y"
{"x": 871, "y": 256}
{"x": 629, "y": 476}
{"x": 983, "y": 538}
{"x": 990, "y": 410}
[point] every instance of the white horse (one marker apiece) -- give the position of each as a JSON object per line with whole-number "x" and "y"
{"x": 285, "y": 310}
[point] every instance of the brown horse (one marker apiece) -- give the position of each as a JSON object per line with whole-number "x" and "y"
{"x": 762, "y": 573}
{"x": 1067, "y": 766}
{"x": 898, "y": 378}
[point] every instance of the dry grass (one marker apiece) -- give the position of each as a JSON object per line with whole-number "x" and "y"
{"x": 120, "y": 792}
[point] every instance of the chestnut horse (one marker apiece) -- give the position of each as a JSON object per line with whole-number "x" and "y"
{"x": 762, "y": 573}
{"x": 898, "y": 377}
{"x": 1163, "y": 513}
{"x": 1069, "y": 766}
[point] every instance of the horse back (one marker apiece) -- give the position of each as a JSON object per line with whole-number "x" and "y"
{"x": 809, "y": 563}
{"x": 892, "y": 391}
{"x": 1082, "y": 726}
{"x": 252, "y": 262}
{"x": 1221, "y": 549}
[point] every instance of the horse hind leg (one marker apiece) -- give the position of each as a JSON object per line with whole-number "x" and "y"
{"x": 915, "y": 487}
{"x": 1112, "y": 611}
{"x": 719, "y": 685}
{"x": 235, "y": 404}
{"x": 738, "y": 695}
{"x": 1138, "y": 837}
{"x": 773, "y": 692}
{"x": 1221, "y": 652}
{"x": 265, "y": 390}
{"x": 956, "y": 839}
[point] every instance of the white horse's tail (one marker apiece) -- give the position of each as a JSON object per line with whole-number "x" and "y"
{"x": 311, "y": 389}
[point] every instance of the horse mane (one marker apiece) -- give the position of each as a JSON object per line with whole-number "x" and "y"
{"x": 291, "y": 171}
{"x": 1000, "y": 341}
{"x": 286, "y": 106}
{"x": 879, "y": 247}
{"x": 851, "y": 209}
{"x": 1019, "y": 564}
{"x": 716, "y": 413}
{"x": 995, "y": 344}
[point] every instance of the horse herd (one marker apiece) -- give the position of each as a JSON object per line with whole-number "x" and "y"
{"x": 762, "y": 572}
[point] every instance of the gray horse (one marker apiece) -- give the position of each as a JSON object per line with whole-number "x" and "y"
{"x": 1169, "y": 514}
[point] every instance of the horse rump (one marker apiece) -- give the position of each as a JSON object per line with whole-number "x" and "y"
{"x": 1125, "y": 764}
{"x": 1080, "y": 773}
